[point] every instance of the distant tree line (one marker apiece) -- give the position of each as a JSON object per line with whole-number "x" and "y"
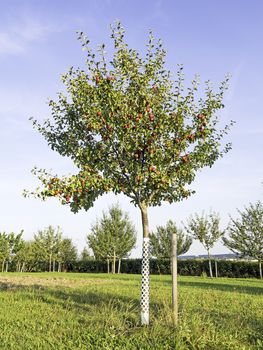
{"x": 113, "y": 236}
{"x": 48, "y": 251}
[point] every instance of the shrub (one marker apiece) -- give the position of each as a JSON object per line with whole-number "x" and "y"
{"x": 190, "y": 267}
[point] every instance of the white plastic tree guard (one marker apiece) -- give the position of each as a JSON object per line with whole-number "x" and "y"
{"x": 145, "y": 282}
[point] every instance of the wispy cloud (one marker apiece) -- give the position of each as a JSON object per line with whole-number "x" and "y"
{"x": 17, "y": 36}
{"x": 10, "y": 45}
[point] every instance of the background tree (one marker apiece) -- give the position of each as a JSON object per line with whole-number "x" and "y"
{"x": 130, "y": 128}
{"x": 85, "y": 255}
{"x": 246, "y": 233}
{"x": 160, "y": 241}
{"x": 4, "y": 249}
{"x": 47, "y": 243}
{"x": 205, "y": 228}
{"x": 15, "y": 243}
{"x": 27, "y": 258}
{"x": 10, "y": 244}
{"x": 112, "y": 237}
{"x": 66, "y": 254}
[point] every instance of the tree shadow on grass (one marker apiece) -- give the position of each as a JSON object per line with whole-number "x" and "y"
{"x": 125, "y": 309}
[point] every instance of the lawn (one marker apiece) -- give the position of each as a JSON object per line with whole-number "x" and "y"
{"x": 99, "y": 311}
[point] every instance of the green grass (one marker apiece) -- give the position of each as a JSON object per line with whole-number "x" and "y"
{"x": 98, "y": 311}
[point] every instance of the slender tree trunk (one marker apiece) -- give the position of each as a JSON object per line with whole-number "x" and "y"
{"x": 145, "y": 284}
{"x": 174, "y": 280}
{"x": 210, "y": 264}
{"x": 22, "y": 267}
{"x": 50, "y": 262}
{"x": 54, "y": 265}
{"x": 216, "y": 270}
{"x": 119, "y": 265}
{"x": 260, "y": 269}
{"x": 6, "y": 266}
{"x": 114, "y": 262}
{"x": 59, "y": 267}
{"x": 3, "y": 265}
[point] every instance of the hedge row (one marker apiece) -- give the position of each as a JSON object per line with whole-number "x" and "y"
{"x": 191, "y": 267}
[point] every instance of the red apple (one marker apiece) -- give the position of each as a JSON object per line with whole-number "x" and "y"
{"x": 109, "y": 128}
{"x": 185, "y": 158}
{"x": 67, "y": 198}
{"x": 110, "y": 77}
{"x": 152, "y": 168}
{"x": 151, "y": 117}
{"x": 200, "y": 117}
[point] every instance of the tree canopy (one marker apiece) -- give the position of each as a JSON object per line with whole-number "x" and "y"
{"x": 129, "y": 128}
{"x": 113, "y": 236}
{"x": 160, "y": 241}
{"x": 206, "y": 229}
{"x": 246, "y": 233}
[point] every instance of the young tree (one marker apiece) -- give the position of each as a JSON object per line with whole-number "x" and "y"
{"x": 10, "y": 244}
{"x": 85, "y": 255}
{"x": 66, "y": 254}
{"x": 15, "y": 243}
{"x": 47, "y": 243}
{"x": 246, "y": 233}
{"x": 205, "y": 228}
{"x": 113, "y": 237}
{"x": 26, "y": 258}
{"x": 4, "y": 249}
{"x": 161, "y": 241}
{"x": 130, "y": 128}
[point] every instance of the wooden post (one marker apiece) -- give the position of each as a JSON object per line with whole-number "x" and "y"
{"x": 174, "y": 280}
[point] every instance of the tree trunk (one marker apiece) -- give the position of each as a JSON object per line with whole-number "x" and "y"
{"x": 174, "y": 280}
{"x": 119, "y": 266}
{"x": 54, "y": 265}
{"x": 50, "y": 262}
{"x": 22, "y": 267}
{"x": 113, "y": 262}
{"x": 260, "y": 269}
{"x": 3, "y": 265}
{"x": 210, "y": 265}
{"x": 216, "y": 270}
{"x": 6, "y": 266}
{"x": 18, "y": 267}
{"x": 59, "y": 267}
{"x": 145, "y": 284}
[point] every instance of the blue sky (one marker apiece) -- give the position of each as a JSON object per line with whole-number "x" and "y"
{"x": 211, "y": 38}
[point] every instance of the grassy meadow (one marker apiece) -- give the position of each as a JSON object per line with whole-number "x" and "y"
{"x": 99, "y": 311}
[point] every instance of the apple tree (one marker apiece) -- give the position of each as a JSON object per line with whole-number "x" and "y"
{"x": 130, "y": 127}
